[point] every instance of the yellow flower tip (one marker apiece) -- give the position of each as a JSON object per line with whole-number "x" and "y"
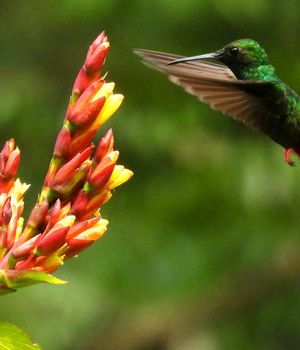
{"x": 119, "y": 176}
{"x": 105, "y": 44}
{"x": 114, "y": 155}
{"x": 130, "y": 173}
{"x": 116, "y": 173}
{"x": 125, "y": 176}
{"x": 67, "y": 221}
{"x": 112, "y": 103}
{"x": 105, "y": 222}
{"x": 19, "y": 188}
{"x": 106, "y": 90}
{"x": 95, "y": 232}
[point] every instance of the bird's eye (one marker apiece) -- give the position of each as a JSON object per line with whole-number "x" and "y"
{"x": 234, "y": 51}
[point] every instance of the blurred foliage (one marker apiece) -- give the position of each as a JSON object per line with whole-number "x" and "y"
{"x": 13, "y": 338}
{"x": 202, "y": 246}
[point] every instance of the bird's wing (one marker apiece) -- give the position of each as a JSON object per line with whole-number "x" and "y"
{"x": 216, "y": 85}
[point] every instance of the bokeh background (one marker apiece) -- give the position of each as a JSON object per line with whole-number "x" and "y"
{"x": 203, "y": 247}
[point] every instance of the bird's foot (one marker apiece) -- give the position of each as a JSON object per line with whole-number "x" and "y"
{"x": 288, "y": 152}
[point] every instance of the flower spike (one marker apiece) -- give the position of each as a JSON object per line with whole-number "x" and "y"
{"x": 66, "y": 218}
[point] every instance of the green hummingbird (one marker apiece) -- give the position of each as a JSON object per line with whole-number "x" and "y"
{"x": 244, "y": 86}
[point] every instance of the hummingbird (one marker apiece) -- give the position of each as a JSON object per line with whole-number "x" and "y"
{"x": 239, "y": 81}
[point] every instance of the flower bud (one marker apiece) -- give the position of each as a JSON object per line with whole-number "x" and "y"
{"x": 96, "y": 54}
{"x": 38, "y": 214}
{"x": 66, "y": 172}
{"x": 87, "y": 114}
{"x": 105, "y": 146}
{"x": 62, "y": 143}
{"x": 6, "y": 212}
{"x": 54, "y": 239}
{"x": 12, "y": 164}
{"x": 80, "y": 203}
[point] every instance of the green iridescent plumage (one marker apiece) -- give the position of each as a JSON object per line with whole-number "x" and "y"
{"x": 245, "y": 87}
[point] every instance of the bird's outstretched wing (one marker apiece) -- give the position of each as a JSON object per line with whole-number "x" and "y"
{"x": 216, "y": 85}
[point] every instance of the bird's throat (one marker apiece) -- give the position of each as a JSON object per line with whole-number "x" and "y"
{"x": 263, "y": 72}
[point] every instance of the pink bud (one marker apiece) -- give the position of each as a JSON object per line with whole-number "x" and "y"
{"x": 81, "y": 140}
{"x": 82, "y": 81}
{"x": 98, "y": 41}
{"x": 38, "y": 214}
{"x": 80, "y": 203}
{"x": 55, "y": 213}
{"x": 86, "y": 97}
{"x": 6, "y": 212}
{"x": 65, "y": 173}
{"x": 11, "y": 167}
{"x": 62, "y": 143}
{"x": 90, "y": 72}
{"x": 97, "y": 53}
{"x": 81, "y": 226}
{"x": 72, "y": 184}
{"x": 8, "y": 148}
{"x": 94, "y": 204}
{"x": 54, "y": 239}
{"x": 76, "y": 246}
{"x": 100, "y": 175}
{"x": 88, "y": 113}
{"x": 105, "y": 146}
{"x": 25, "y": 248}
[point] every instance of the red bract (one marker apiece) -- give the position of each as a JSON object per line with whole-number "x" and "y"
{"x": 105, "y": 146}
{"x": 63, "y": 142}
{"x": 88, "y": 113}
{"x": 67, "y": 171}
{"x": 66, "y": 218}
{"x": 9, "y": 163}
{"x": 97, "y": 54}
{"x": 91, "y": 69}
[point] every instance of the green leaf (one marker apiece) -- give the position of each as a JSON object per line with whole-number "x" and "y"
{"x": 10, "y": 280}
{"x": 13, "y": 338}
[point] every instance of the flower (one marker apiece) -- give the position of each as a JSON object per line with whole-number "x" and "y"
{"x": 66, "y": 218}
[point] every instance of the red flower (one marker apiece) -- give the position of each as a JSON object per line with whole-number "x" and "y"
{"x": 66, "y": 217}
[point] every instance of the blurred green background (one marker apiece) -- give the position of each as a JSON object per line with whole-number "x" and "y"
{"x": 203, "y": 247}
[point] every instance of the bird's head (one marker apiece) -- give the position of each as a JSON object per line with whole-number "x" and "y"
{"x": 236, "y": 55}
{"x": 241, "y": 53}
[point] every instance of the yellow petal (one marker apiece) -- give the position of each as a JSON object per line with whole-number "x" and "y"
{"x": 114, "y": 155}
{"x": 116, "y": 173}
{"x": 119, "y": 176}
{"x": 106, "y": 90}
{"x": 66, "y": 221}
{"x": 18, "y": 189}
{"x": 112, "y": 103}
{"x": 95, "y": 232}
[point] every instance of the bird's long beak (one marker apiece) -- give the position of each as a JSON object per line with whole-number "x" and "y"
{"x": 214, "y": 55}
